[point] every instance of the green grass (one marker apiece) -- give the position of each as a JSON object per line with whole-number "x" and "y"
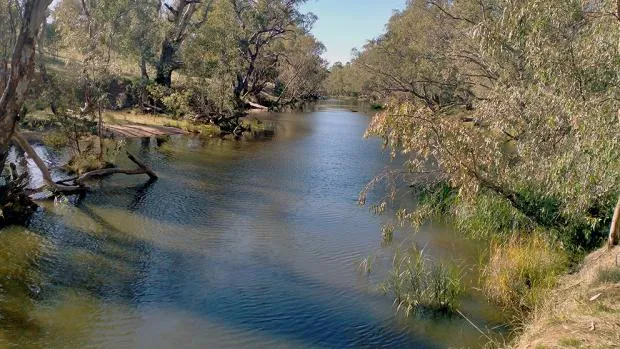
{"x": 55, "y": 140}
{"x": 420, "y": 285}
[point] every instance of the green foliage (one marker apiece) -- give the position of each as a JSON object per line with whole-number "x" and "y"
{"x": 420, "y": 285}
{"x": 511, "y": 104}
{"x": 178, "y": 103}
{"x": 55, "y": 140}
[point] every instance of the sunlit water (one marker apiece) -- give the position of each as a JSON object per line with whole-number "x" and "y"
{"x": 237, "y": 245}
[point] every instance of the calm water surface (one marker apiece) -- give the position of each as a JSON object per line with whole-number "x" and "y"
{"x": 238, "y": 245}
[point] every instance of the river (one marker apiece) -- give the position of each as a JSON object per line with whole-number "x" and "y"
{"x": 237, "y": 245}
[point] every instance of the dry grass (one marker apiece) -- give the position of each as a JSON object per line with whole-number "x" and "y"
{"x": 133, "y": 117}
{"x": 70, "y": 62}
{"x": 521, "y": 272}
{"x": 583, "y": 311}
{"x": 86, "y": 162}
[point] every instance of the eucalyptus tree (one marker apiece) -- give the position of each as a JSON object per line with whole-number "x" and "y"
{"x": 22, "y": 65}
{"x": 184, "y": 17}
{"x": 418, "y": 65}
{"x": 211, "y": 55}
{"x": 301, "y": 71}
{"x": 346, "y": 80}
{"x": 9, "y": 27}
{"x": 262, "y": 24}
{"x": 141, "y": 34}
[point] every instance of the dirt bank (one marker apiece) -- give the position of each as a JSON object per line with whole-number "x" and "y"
{"x": 584, "y": 309}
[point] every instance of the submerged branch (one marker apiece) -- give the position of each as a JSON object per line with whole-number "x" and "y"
{"x": 62, "y": 186}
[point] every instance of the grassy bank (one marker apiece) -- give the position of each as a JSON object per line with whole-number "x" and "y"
{"x": 523, "y": 262}
{"x": 582, "y": 311}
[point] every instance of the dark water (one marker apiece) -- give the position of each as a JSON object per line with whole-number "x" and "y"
{"x": 238, "y": 245}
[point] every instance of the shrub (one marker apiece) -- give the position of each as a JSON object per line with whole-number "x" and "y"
{"x": 85, "y": 162}
{"x": 521, "y": 270}
{"x": 55, "y": 140}
{"x": 174, "y": 101}
{"x": 178, "y": 103}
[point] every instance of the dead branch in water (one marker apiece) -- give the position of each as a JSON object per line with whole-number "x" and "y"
{"x": 142, "y": 169}
{"x": 47, "y": 177}
{"x": 78, "y": 185}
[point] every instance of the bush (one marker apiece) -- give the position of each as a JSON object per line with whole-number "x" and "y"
{"x": 85, "y": 162}
{"x": 521, "y": 270}
{"x": 420, "y": 285}
{"x": 55, "y": 140}
{"x": 174, "y": 101}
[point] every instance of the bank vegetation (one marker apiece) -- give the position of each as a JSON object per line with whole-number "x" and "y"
{"x": 507, "y": 114}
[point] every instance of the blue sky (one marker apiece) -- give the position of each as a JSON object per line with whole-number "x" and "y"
{"x": 347, "y": 24}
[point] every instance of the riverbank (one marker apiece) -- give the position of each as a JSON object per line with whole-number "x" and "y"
{"x": 583, "y": 311}
{"x": 131, "y": 123}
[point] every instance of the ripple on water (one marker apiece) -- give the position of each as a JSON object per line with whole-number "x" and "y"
{"x": 249, "y": 245}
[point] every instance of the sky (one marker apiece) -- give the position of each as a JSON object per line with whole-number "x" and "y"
{"x": 346, "y": 24}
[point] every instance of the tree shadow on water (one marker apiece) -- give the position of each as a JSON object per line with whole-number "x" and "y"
{"x": 272, "y": 299}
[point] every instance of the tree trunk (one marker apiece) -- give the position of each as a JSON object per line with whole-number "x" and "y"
{"x": 166, "y": 64}
{"x": 22, "y": 67}
{"x": 144, "y": 72}
{"x": 614, "y": 230}
{"x": 47, "y": 176}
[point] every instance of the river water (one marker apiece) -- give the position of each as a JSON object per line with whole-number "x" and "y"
{"x": 237, "y": 245}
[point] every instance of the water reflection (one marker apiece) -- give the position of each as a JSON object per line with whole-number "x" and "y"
{"x": 237, "y": 245}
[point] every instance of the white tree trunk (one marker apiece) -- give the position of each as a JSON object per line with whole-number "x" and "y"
{"x": 614, "y": 230}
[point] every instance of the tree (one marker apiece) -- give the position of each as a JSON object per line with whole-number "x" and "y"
{"x": 301, "y": 71}
{"x": 262, "y": 24}
{"x": 180, "y": 15}
{"x": 511, "y": 100}
{"x": 9, "y": 28}
{"x": 22, "y": 66}
{"x": 347, "y": 80}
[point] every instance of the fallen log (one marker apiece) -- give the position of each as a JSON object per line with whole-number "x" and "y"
{"x": 256, "y": 105}
{"x": 142, "y": 169}
{"x": 47, "y": 177}
{"x": 63, "y": 186}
